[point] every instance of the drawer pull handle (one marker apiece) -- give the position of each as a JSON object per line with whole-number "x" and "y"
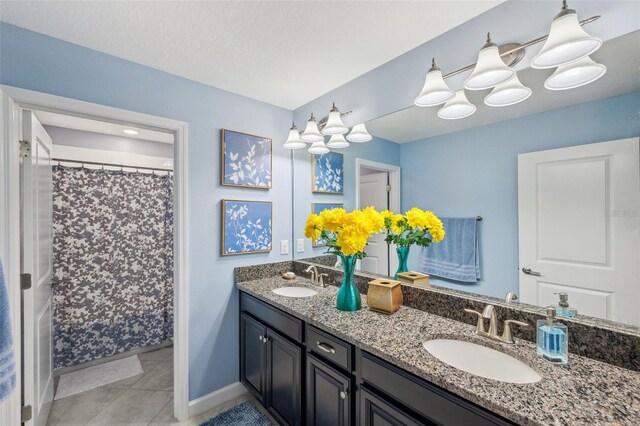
{"x": 326, "y": 347}
{"x": 343, "y": 394}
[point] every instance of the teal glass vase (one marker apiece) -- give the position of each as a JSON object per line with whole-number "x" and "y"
{"x": 348, "y": 294}
{"x": 403, "y": 256}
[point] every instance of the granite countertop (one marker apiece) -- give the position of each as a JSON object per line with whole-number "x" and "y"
{"x": 583, "y": 392}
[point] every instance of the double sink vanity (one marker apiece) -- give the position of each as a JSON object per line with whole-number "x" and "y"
{"x": 311, "y": 364}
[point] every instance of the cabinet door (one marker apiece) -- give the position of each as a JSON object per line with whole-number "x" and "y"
{"x": 328, "y": 395}
{"x": 376, "y": 412}
{"x": 253, "y": 335}
{"x": 284, "y": 379}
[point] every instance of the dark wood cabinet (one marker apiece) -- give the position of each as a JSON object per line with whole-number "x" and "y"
{"x": 329, "y": 395}
{"x": 253, "y": 355}
{"x": 284, "y": 383}
{"x": 375, "y": 411}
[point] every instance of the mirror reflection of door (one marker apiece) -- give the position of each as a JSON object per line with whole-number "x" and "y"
{"x": 579, "y": 225}
{"x": 374, "y": 192}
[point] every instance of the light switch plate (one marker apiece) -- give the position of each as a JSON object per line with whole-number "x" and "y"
{"x": 284, "y": 247}
{"x": 300, "y": 245}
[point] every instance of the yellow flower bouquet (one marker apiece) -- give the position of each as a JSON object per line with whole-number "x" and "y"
{"x": 346, "y": 235}
{"x": 416, "y": 226}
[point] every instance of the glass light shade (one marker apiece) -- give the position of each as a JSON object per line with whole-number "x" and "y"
{"x": 490, "y": 70}
{"x": 318, "y": 148}
{"x": 458, "y": 107}
{"x": 311, "y": 133}
{"x": 359, "y": 134}
{"x": 334, "y": 125}
{"x": 567, "y": 42}
{"x": 435, "y": 90}
{"x": 337, "y": 141}
{"x": 575, "y": 74}
{"x": 294, "y": 141}
{"x": 508, "y": 93}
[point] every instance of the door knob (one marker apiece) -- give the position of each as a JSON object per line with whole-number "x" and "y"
{"x": 343, "y": 394}
{"x": 528, "y": 271}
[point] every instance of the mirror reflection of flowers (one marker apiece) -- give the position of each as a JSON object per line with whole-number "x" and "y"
{"x": 345, "y": 233}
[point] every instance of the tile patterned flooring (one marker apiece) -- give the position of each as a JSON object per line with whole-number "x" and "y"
{"x": 145, "y": 399}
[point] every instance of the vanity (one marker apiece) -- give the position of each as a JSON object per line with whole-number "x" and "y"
{"x": 310, "y": 364}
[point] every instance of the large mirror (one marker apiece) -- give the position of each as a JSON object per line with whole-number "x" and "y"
{"x": 554, "y": 180}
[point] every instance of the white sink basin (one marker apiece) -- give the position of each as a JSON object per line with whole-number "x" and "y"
{"x": 481, "y": 361}
{"x": 294, "y": 291}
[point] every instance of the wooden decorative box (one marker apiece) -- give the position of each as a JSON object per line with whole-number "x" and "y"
{"x": 384, "y": 295}
{"x": 414, "y": 278}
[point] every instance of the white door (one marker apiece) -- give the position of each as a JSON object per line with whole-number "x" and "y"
{"x": 36, "y": 193}
{"x": 373, "y": 192}
{"x": 579, "y": 228}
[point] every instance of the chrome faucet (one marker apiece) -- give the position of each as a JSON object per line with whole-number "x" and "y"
{"x": 489, "y": 312}
{"x": 510, "y": 297}
{"x": 317, "y": 278}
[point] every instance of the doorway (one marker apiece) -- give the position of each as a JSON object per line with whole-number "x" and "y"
{"x": 378, "y": 185}
{"x": 19, "y": 100}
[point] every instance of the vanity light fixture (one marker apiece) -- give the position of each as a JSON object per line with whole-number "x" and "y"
{"x": 490, "y": 70}
{"x": 318, "y": 148}
{"x": 311, "y": 133}
{"x": 458, "y": 107}
{"x": 575, "y": 74}
{"x": 130, "y": 131}
{"x": 337, "y": 141}
{"x": 567, "y": 41}
{"x": 508, "y": 93}
{"x": 359, "y": 134}
{"x": 334, "y": 125}
{"x": 435, "y": 90}
{"x": 294, "y": 141}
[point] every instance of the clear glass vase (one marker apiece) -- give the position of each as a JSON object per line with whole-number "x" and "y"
{"x": 348, "y": 294}
{"x": 403, "y": 256}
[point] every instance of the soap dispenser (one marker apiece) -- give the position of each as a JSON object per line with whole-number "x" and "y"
{"x": 563, "y": 309}
{"x": 552, "y": 339}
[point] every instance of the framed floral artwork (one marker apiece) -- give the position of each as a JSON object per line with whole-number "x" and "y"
{"x": 246, "y": 160}
{"x": 317, "y": 208}
{"x": 246, "y": 227}
{"x": 327, "y": 173}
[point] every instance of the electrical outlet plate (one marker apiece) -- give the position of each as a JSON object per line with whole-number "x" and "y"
{"x": 284, "y": 247}
{"x": 300, "y": 245}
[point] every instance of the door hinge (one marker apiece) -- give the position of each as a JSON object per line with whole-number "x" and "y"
{"x": 26, "y": 412}
{"x": 388, "y": 188}
{"x": 25, "y": 281}
{"x": 25, "y": 149}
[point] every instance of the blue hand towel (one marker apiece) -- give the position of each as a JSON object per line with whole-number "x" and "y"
{"x": 457, "y": 256}
{"x": 7, "y": 365}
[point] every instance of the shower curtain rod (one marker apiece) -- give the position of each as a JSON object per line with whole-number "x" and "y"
{"x": 95, "y": 163}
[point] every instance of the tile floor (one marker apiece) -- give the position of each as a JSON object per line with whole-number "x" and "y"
{"x": 145, "y": 399}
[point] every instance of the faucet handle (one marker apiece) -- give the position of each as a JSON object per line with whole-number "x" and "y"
{"x": 506, "y": 333}
{"x": 480, "y": 324}
{"x": 471, "y": 311}
{"x": 321, "y": 279}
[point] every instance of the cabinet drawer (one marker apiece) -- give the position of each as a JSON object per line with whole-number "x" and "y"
{"x": 274, "y": 318}
{"x": 435, "y": 404}
{"x": 329, "y": 347}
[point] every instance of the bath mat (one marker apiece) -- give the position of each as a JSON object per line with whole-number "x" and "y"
{"x": 98, "y": 375}
{"x": 244, "y": 414}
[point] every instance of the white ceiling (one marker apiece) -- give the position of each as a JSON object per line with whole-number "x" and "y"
{"x": 286, "y": 53}
{"x": 620, "y": 56}
{"x": 104, "y": 127}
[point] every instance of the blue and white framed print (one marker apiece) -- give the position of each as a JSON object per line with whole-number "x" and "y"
{"x": 246, "y": 227}
{"x": 327, "y": 173}
{"x": 317, "y": 208}
{"x": 246, "y": 160}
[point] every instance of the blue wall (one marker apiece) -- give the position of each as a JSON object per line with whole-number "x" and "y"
{"x": 474, "y": 172}
{"x": 377, "y": 149}
{"x": 33, "y": 61}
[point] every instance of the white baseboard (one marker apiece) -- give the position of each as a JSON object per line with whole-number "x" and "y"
{"x": 215, "y": 398}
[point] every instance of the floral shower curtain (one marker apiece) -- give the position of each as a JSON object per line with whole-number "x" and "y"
{"x": 113, "y": 262}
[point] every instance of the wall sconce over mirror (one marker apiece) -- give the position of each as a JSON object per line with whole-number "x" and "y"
{"x": 567, "y": 47}
{"x": 332, "y": 126}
